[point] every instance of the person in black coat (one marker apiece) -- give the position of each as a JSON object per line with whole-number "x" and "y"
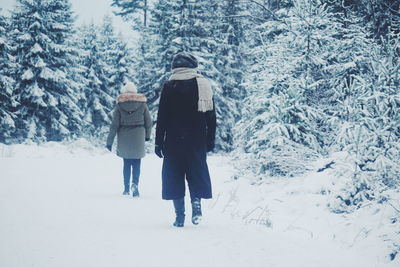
{"x": 185, "y": 132}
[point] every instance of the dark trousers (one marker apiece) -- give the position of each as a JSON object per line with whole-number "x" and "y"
{"x": 185, "y": 162}
{"x": 131, "y": 165}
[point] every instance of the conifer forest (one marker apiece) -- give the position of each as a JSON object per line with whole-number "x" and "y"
{"x": 295, "y": 82}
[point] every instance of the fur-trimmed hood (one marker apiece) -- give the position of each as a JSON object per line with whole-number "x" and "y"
{"x": 125, "y": 97}
{"x": 131, "y": 102}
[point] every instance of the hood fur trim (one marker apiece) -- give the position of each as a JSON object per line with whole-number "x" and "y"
{"x": 131, "y": 97}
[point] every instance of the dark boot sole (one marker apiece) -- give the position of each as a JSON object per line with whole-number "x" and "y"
{"x": 179, "y": 225}
{"x": 179, "y": 221}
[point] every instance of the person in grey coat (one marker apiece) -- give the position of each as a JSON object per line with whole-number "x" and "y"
{"x": 132, "y": 124}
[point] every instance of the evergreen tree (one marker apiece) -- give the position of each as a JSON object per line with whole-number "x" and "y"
{"x": 108, "y": 64}
{"x": 40, "y": 34}
{"x": 78, "y": 74}
{"x": 384, "y": 104}
{"x": 117, "y": 57}
{"x": 146, "y": 74}
{"x": 7, "y": 83}
{"x": 379, "y": 17}
{"x": 351, "y": 64}
{"x": 290, "y": 86}
{"x": 230, "y": 61}
{"x": 128, "y": 8}
{"x": 124, "y": 62}
{"x": 370, "y": 127}
{"x": 98, "y": 99}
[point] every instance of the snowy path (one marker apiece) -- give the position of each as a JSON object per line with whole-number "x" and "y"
{"x": 60, "y": 209}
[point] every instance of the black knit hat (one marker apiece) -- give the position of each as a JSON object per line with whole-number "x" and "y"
{"x": 184, "y": 60}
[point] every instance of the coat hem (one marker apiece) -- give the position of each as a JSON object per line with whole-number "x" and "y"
{"x": 194, "y": 196}
{"x": 130, "y": 157}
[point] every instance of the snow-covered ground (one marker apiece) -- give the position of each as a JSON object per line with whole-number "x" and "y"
{"x": 61, "y": 205}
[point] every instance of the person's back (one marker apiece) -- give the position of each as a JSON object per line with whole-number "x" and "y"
{"x": 185, "y": 122}
{"x": 132, "y": 108}
{"x": 132, "y": 124}
{"x": 185, "y": 132}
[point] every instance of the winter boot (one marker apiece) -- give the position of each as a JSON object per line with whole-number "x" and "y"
{"x": 135, "y": 190}
{"x": 126, "y": 189}
{"x": 196, "y": 211}
{"x": 179, "y": 205}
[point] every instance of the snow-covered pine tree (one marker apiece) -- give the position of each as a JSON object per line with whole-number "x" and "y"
{"x": 146, "y": 68}
{"x": 289, "y": 88}
{"x": 48, "y": 110}
{"x": 98, "y": 100}
{"x": 370, "y": 126}
{"x": 146, "y": 62}
{"x": 124, "y": 59}
{"x": 351, "y": 64}
{"x": 378, "y": 17}
{"x": 7, "y": 83}
{"x": 230, "y": 62}
{"x": 129, "y": 8}
{"x": 78, "y": 71}
{"x": 229, "y": 58}
{"x": 117, "y": 56}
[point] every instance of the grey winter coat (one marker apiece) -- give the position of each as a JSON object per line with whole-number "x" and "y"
{"x": 132, "y": 124}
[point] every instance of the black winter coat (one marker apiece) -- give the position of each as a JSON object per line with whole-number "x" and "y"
{"x": 185, "y": 135}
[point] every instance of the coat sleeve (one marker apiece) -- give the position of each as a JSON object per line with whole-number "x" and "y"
{"x": 148, "y": 124}
{"x": 211, "y": 121}
{"x": 114, "y": 126}
{"x": 161, "y": 118}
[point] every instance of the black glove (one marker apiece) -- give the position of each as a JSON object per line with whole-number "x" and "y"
{"x": 210, "y": 146}
{"x": 158, "y": 151}
{"x": 147, "y": 139}
{"x": 109, "y": 147}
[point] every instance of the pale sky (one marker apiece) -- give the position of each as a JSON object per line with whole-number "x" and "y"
{"x": 88, "y": 10}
